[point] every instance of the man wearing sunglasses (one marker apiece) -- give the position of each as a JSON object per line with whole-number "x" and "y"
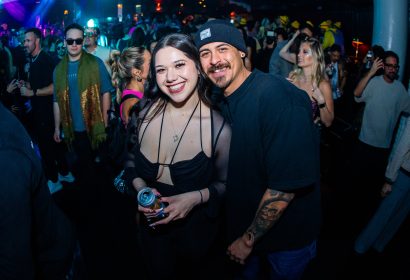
{"x": 82, "y": 97}
{"x": 81, "y": 102}
{"x": 385, "y": 99}
{"x": 87, "y": 87}
{"x": 60, "y": 50}
{"x": 91, "y": 35}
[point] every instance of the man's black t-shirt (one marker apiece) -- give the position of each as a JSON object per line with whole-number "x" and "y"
{"x": 274, "y": 145}
{"x": 41, "y": 75}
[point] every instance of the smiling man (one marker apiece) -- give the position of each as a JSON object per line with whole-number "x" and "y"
{"x": 273, "y": 203}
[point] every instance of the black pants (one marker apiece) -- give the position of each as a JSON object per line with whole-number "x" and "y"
{"x": 52, "y": 153}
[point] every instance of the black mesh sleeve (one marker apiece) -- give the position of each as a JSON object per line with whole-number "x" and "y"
{"x": 130, "y": 170}
{"x": 221, "y": 142}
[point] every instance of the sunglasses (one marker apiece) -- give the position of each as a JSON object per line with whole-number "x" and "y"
{"x": 78, "y": 41}
{"x": 89, "y": 34}
{"x": 60, "y": 48}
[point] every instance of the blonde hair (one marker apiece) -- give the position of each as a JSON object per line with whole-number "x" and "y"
{"x": 318, "y": 74}
{"x": 121, "y": 66}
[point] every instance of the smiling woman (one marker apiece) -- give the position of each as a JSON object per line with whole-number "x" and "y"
{"x": 310, "y": 76}
{"x": 181, "y": 152}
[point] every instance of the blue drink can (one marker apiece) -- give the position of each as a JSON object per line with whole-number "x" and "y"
{"x": 146, "y": 198}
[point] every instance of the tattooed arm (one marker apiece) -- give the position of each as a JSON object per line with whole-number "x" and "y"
{"x": 271, "y": 208}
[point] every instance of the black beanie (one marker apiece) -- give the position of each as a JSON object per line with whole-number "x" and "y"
{"x": 219, "y": 30}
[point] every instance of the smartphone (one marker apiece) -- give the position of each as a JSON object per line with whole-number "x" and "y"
{"x": 369, "y": 54}
{"x": 270, "y": 34}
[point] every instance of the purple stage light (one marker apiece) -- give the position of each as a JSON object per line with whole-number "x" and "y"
{"x": 15, "y": 9}
{"x": 39, "y": 12}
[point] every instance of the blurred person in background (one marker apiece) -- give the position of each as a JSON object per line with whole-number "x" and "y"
{"x": 91, "y": 46}
{"x": 129, "y": 72}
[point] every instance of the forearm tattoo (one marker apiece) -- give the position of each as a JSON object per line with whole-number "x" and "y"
{"x": 271, "y": 208}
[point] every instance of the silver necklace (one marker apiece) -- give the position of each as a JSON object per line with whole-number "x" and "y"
{"x": 34, "y": 59}
{"x": 176, "y": 136}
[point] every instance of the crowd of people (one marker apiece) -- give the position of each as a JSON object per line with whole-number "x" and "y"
{"x": 222, "y": 123}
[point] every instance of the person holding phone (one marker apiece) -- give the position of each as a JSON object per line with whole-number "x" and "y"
{"x": 385, "y": 99}
{"x": 278, "y": 65}
{"x": 264, "y": 55}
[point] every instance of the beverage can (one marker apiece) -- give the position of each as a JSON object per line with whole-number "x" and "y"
{"x": 146, "y": 198}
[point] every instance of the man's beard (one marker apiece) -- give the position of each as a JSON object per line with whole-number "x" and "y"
{"x": 29, "y": 51}
{"x": 220, "y": 82}
{"x": 392, "y": 76}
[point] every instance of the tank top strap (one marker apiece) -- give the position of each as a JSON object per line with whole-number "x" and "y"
{"x": 160, "y": 132}
{"x": 131, "y": 92}
{"x": 200, "y": 126}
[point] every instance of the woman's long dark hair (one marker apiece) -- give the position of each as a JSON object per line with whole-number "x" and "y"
{"x": 185, "y": 44}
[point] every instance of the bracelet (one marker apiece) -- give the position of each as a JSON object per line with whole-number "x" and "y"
{"x": 321, "y": 106}
{"x": 202, "y": 199}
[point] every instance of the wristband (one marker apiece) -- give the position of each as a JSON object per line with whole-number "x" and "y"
{"x": 321, "y": 106}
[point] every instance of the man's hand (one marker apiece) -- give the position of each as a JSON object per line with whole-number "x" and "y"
{"x": 12, "y": 86}
{"x": 377, "y": 64}
{"x": 26, "y": 92}
{"x": 15, "y": 108}
{"x": 241, "y": 248}
{"x": 57, "y": 135}
{"x": 386, "y": 189}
